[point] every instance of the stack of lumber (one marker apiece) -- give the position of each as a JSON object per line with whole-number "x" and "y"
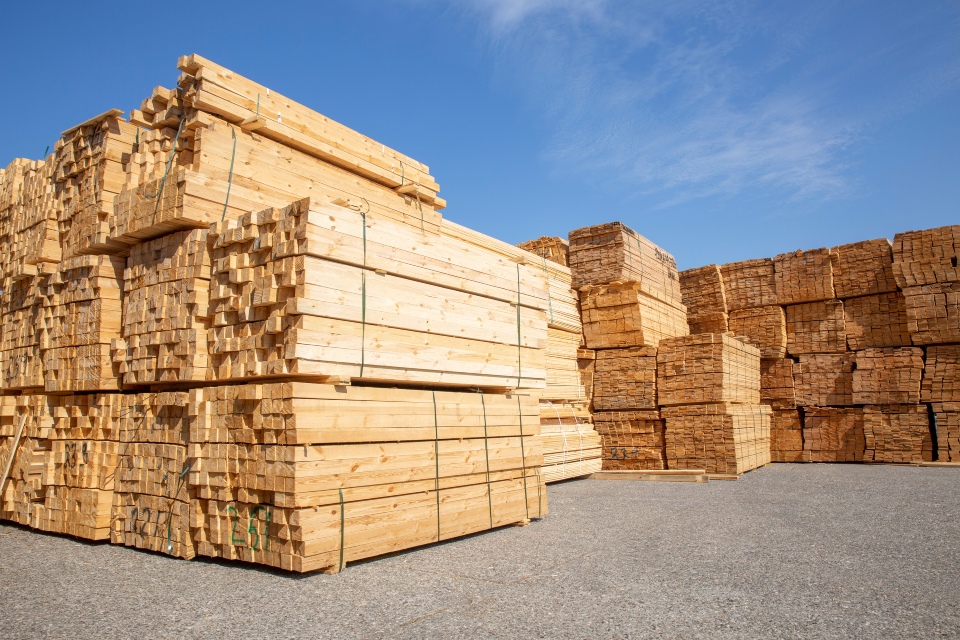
{"x": 632, "y": 440}
{"x": 925, "y": 265}
{"x": 764, "y": 327}
{"x": 587, "y": 366}
{"x": 166, "y": 287}
{"x": 550, "y": 248}
{"x": 64, "y": 468}
{"x": 321, "y": 475}
{"x": 20, "y": 355}
{"x": 621, "y": 315}
{"x": 778, "y": 391}
{"x": 888, "y": 376}
{"x": 154, "y": 497}
{"x": 804, "y": 276}
{"x": 897, "y": 433}
{"x": 571, "y": 445}
{"x": 707, "y": 368}
{"x": 825, "y": 379}
{"x": 626, "y": 379}
{"x": 876, "y": 321}
{"x": 863, "y": 269}
{"x": 749, "y": 283}
{"x": 321, "y": 290}
{"x": 165, "y": 252}
{"x": 941, "y": 388}
{"x": 81, "y": 315}
{"x": 708, "y": 388}
{"x": 90, "y": 173}
{"x": 703, "y": 296}
{"x": 816, "y": 327}
{"x": 832, "y": 434}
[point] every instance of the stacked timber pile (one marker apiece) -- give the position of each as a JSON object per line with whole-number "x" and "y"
{"x": 631, "y": 299}
{"x": 708, "y": 388}
{"x": 571, "y": 446}
{"x": 925, "y": 265}
{"x": 172, "y": 257}
{"x": 897, "y": 433}
{"x": 703, "y": 295}
{"x": 778, "y": 390}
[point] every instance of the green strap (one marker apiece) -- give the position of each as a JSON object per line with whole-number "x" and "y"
{"x": 539, "y": 494}
{"x": 436, "y": 457}
{"x": 486, "y": 446}
{"x": 233, "y": 155}
{"x": 363, "y": 217}
{"x": 341, "y": 529}
{"x": 173, "y": 151}
{"x": 523, "y": 458}
{"x": 549, "y": 299}
{"x": 186, "y": 470}
{"x": 363, "y": 320}
{"x": 519, "y": 346}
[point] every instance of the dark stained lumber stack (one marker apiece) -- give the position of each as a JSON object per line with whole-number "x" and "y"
{"x": 749, "y": 283}
{"x": 764, "y": 327}
{"x": 708, "y": 388}
{"x": 778, "y": 390}
{"x": 897, "y": 433}
{"x": 888, "y": 376}
{"x": 632, "y": 440}
{"x": 816, "y": 327}
{"x": 703, "y": 296}
{"x": 941, "y": 388}
{"x": 620, "y": 315}
{"x": 833, "y": 434}
{"x": 786, "y": 436}
{"x": 550, "y": 248}
{"x": 925, "y": 264}
{"x": 777, "y": 383}
{"x": 825, "y": 379}
{"x": 804, "y": 276}
{"x": 626, "y": 379}
{"x": 864, "y": 269}
{"x": 876, "y": 321}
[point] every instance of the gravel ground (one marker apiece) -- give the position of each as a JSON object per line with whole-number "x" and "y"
{"x": 805, "y": 551}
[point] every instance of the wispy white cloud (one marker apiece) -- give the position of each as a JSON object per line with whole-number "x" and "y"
{"x": 694, "y": 98}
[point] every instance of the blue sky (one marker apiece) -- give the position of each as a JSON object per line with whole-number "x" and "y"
{"x": 720, "y": 129}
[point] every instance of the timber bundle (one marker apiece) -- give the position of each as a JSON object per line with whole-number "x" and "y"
{"x": 233, "y": 327}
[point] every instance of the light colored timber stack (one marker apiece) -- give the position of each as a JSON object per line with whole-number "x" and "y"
{"x": 708, "y": 388}
{"x": 621, "y": 315}
{"x": 832, "y": 434}
{"x": 816, "y": 327}
{"x": 804, "y": 276}
{"x": 571, "y": 445}
{"x": 317, "y": 290}
{"x": 563, "y": 379}
{"x": 876, "y": 321}
{"x": 703, "y": 296}
{"x": 165, "y": 310}
{"x": 749, "y": 283}
{"x": 322, "y": 475}
{"x": 897, "y": 433}
{"x": 764, "y": 327}
{"x": 626, "y": 379}
{"x": 925, "y": 264}
{"x": 632, "y": 440}
{"x": 888, "y": 376}
{"x": 28, "y": 222}
{"x": 613, "y": 252}
{"x": 90, "y": 173}
{"x": 20, "y": 356}
{"x": 786, "y": 436}
{"x": 864, "y": 269}
{"x": 946, "y": 416}
{"x": 707, "y": 368}
{"x": 556, "y": 250}
{"x": 64, "y": 469}
{"x": 81, "y": 315}
{"x": 825, "y": 380}
{"x": 563, "y": 302}
{"x": 587, "y": 366}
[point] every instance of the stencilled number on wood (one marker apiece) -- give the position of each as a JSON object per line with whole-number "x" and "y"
{"x": 624, "y": 453}
{"x": 253, "y": 538}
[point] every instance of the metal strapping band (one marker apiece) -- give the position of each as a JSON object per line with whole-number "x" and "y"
{"x": 341, "y": 528}
{"x": 486, "y": 446}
